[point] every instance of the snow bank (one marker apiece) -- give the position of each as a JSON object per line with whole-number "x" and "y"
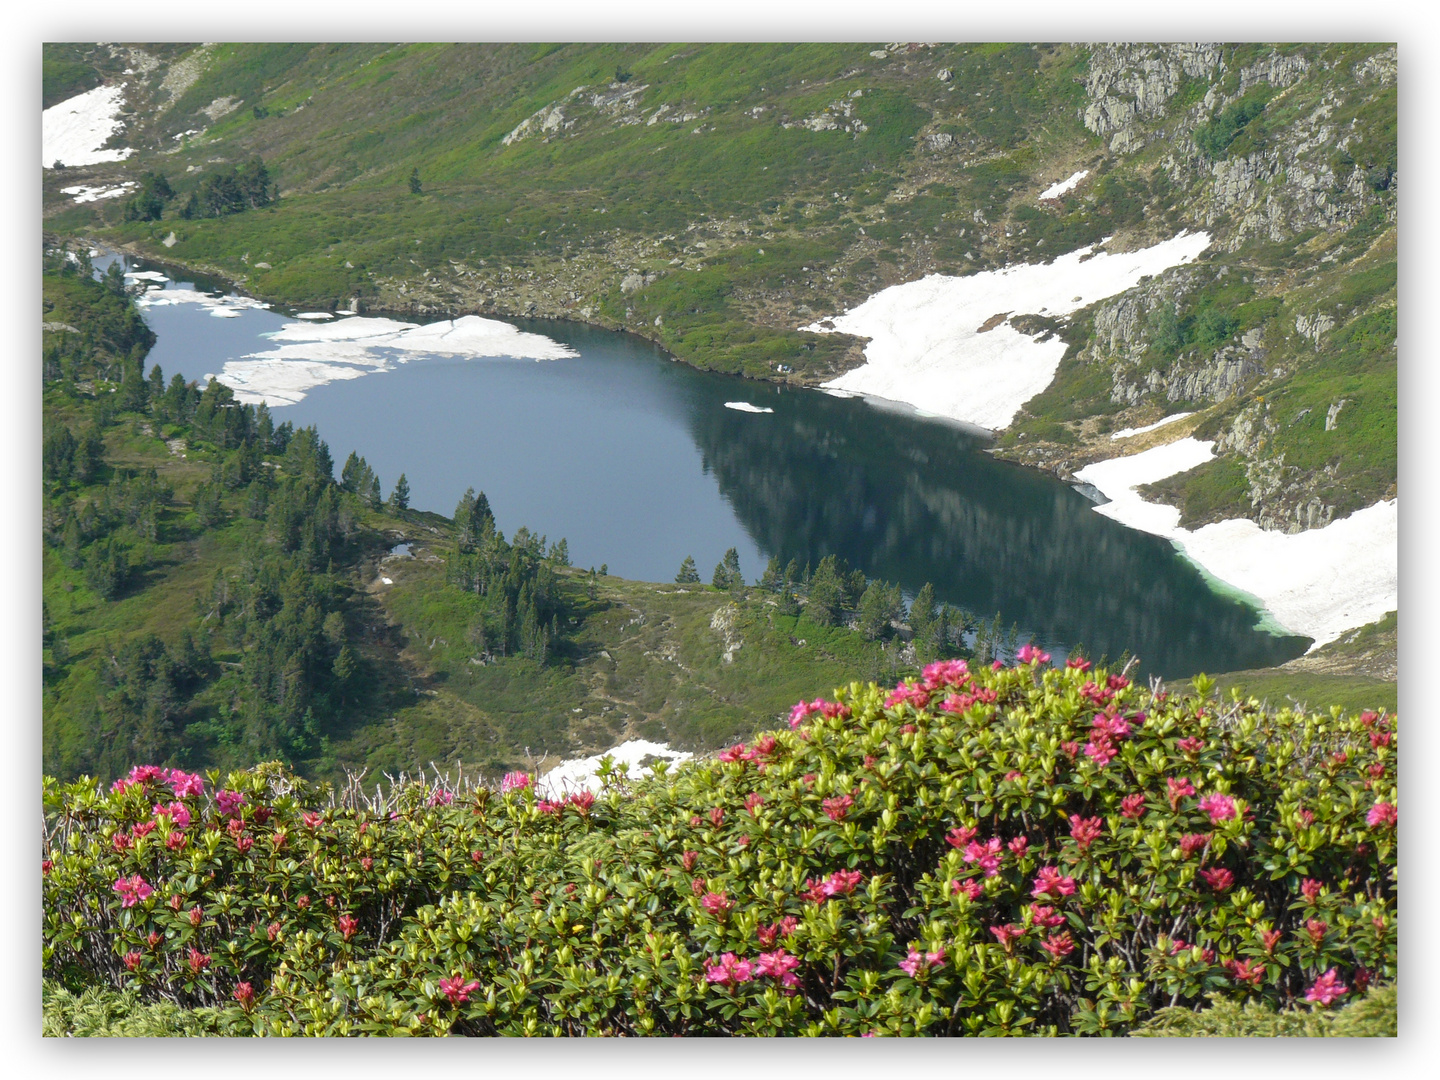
{"x": 222, "y": 307}
{"x": 1054, "y": 191}
{"x": 74, "y": 131}
{"x": 1319, "y": 583}
{"x": 745, "y": 406}
{"x": 928, "y": 348}
{"x": 1125, "y": 433}
{"x": 83, "y": 194}
{"x": 580, "y": 773}
{"x": 310, "y": 353}
{"x": 318, "y": 316}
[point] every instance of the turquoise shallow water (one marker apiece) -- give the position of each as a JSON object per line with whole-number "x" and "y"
{"x": 637, "y": 461}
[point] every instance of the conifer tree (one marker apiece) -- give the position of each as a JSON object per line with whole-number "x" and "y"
{"x": 688, "y": 574}
{"x": 400, "y": 497}
{"x": 773, "y": 577}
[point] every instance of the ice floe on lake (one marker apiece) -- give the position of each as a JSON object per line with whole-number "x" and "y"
{"x": 581, "y": 772}
{"x": 745, "y": 406}
{"x": 1319, "y": 582}
{"x": 1054, "y": 191}
{"x": 73, "y": 131}
{"x": 945, "y": 344}
{"x": 311, "y": 353}
{"x": 1126, "y": 433}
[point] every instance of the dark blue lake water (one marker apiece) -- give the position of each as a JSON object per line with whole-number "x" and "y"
{"x": 637, "y": 461}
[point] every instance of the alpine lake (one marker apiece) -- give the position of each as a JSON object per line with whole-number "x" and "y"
{"x": 637, "y": 461}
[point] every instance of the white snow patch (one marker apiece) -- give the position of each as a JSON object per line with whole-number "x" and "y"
{"x": 926, "y": 348}
{"x": 1320, "y": 582}
{"x": 745, "y": 406}
{"x": 73, "y": 131}
{"x": 224, "y": 307}
{"x": 1054, "y": 191}
{"x": 146, "y": 275}
{"x": 581, "y": 772}
{"x": 318, "y": 316}
{"x": 83, "y": 194}
{"x": 310, "y": 354}
{"x": 1125, "y": 433}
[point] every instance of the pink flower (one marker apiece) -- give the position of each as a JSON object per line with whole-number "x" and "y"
{"x": 986, "y": 696}
{"x": 244, "y": 993}
{"x": 1219, "y": 879}
{"x": 828, "y": 709}
{"x": 717, "y": 816}
{"x": 729, "y": 971}
{"x": 1310, "y": 889}
{"x": 1271, "y": 938}
{"x": 132, "y": 890}
{"x": 1328, "y": 988}
{"x": 441, "y": 797}
{"x": 1245, "y": 971}
{"x": 1116, "y": 727}
{"x": 1383, "y": 813}
{"x": 1044, "y": 915}
{"x": 1305, "y": 817}
{"x": 907, "y": 693}
{"x": 764, "y": 746}
{"x": 842, "y": 882}
{"x": 688, "y": 859}
{"x": 348, "y": 925}
{"x": 549, "y": 806}
{"x": 1059, "y": 945}
{"x": 1101, "y": 750}
{"x": 972, "y": 888}
{"x": 1192, "y": 745}
{"x": 798, "y": 713}
{"x": 1132, "y": 806}
{"x": 176, "y": 841}
{"x": 272, "y": 931}
{"x": 1007, "y": 934}
{"x": 1078, "y": 664}
{"x": 1019, "y": 846}
{"x": 959, "y": 836}
{"x": 457, "y": 989}
{"x": 697, "y": 886}
{"x": 132, "y": 960}
{"x": 121, "y": 842}
{"x": 917, "y": 964}
{"x": 717, "y": 904}
{"x": 184, "y": 784}
{"x": 311, "y": 819}
{"x": 244, "y": 843}
{"x": 145, "y": 828}
{"x": 1050, "y": 882}
{"x": 1071, "y": 747}
{"x": 177, "y": 812}
{"x": 1316, "y": 928}
{"x": 1086, "y": 831}
{"x": 229, "y": 802}
{"x": 146, "y": 774}
{"x": 986, "y": 856}
{"x": 198, "y": 961}
{"x": 1179, "y": 789}
{"x": 946, "y": 673}
{"x": 836, "y": 808}
{"x": 735, "y": 753}
{"x": 1029, "y": 654}
{"x": 1219, "y": 807}
{"x": 119, "y": 786}
{"x": 957, "y": 703}
{"x": 778, "y": 965}
{"x": 996, "y": 665}
{"x": 514, "y": 781}
{"x": 1190, "y": 843}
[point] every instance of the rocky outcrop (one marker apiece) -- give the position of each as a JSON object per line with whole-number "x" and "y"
{"x": 1129, "y": 83}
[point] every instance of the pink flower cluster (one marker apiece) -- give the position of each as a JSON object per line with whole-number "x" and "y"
{"x": 917, "y": 964}
{"x": 828, "y": 709}
{"x": 177, "y": 812}
{"x": 1383, "y": 813}
{"x": 987, "y": 856}
{"x": 230, "y": 802}
{"x": 1133, "y": 806}
{"x": 1245, "y": 971}
{"x": 457, "y": 989}
{"x": 730, "y": 970}
{"x": 1107, "y": 728}
{"x": 1327, "y": 989}
{"x": 1178, "y": 789}
{"x": 717, "y": 904}
{"x": 1059, "y": 945}
{"x": 1085, "y": 831}
{"x": 1218, "y": 879}
{"x": 1029, "y": 654}
{"x": 908, "y": 693}
{"x": 954, "y": 673}
{"x": 132, "y": 890}
{"x": 836, "y": 808}
{"x": 767, "y": 935}
{"x": 840, "y": 883}
{"x": 514, "y": 781}
{"x": 1219, "y": 807}
{"x": 1049, "y": 881}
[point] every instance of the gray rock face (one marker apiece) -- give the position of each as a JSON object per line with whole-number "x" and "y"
{"x": 1129, "y": 82}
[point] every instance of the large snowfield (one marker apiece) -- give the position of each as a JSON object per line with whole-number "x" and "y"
{"x": 928, "y": 349}
{"x": 1320, "y": 582}
{"x": 73, "y": 131}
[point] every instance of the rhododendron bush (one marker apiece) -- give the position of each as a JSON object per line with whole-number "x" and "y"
{"x": 1022, "y": 850}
